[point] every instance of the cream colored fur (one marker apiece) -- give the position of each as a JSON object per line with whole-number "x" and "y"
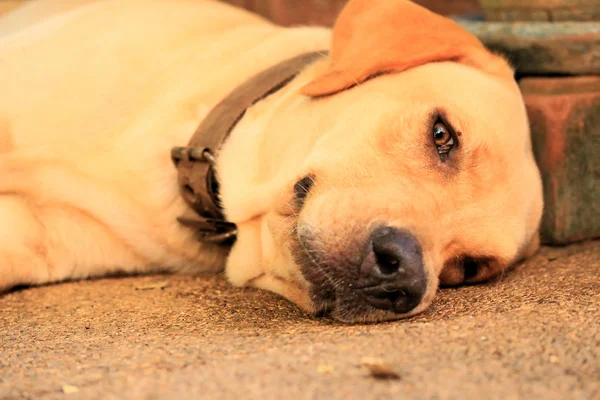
{"x": 95, "y": 93}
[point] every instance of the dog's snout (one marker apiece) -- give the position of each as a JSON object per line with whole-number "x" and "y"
{"x": 392, "y": 275}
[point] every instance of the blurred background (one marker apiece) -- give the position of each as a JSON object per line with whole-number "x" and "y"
{"x": 323, "y": 12}
{"x": 313, "y": 12}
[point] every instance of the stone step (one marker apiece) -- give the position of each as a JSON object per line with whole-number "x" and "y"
{"x": 541, "y": 10}
{"x": 543, "y": 48}
{"x": 565, "y": 121}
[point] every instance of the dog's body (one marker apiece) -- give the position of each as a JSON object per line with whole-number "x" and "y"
{"x": 95, "y": 94}
{"x": 88, "y": 122}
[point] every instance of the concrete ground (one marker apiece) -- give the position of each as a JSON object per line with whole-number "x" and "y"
{"x": 534, "y": 334}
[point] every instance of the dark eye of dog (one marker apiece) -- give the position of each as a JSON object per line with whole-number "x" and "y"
{"x": 302, "y": 187}
{"x": 443, "y": 138}
{"x": 471, "y": 267}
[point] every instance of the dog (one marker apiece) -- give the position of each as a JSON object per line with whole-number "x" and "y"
{"x": 397, "y": 161}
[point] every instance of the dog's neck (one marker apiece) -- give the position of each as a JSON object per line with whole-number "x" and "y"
{"x": 252, "y": 168}
{"x": 196, "y": 162}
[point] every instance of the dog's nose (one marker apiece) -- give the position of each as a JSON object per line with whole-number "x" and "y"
{"x": 392, "y": 276}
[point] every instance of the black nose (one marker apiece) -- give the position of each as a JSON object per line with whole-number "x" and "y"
{"x": 392, "y": 276}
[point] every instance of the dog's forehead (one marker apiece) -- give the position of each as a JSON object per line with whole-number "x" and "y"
{"x": 387, "y": 121}
{"x": 452, "y": 84}
{"x": 387, "y": 130}
{"x": 487, "y": 110}
{"x": 472, "y": 92}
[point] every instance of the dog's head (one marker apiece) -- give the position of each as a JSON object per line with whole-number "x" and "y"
{"x": 422, "y": 173}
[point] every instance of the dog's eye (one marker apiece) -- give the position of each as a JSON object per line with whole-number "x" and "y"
{"x": 442, "y": 137}
{"x": 470, "y": 267}
{"x": 302, "y": 187}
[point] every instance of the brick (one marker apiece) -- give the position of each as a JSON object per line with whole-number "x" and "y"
{"x": 564, "y": 114}
{"x": 306, "y": 12}
{"x": 544, "y": 48}
{"x": 295, "y": 12}
{"x": 541, "y": 10}
{"x": 454, "y": 7}
{"x": 325, "y": 12}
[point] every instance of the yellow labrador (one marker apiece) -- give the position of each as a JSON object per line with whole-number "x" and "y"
{"x": 398, "y": 162}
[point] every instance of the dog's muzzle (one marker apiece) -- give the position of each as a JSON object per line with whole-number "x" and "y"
{"x": 379, "y": 276}
{"x": 392, "y": 276}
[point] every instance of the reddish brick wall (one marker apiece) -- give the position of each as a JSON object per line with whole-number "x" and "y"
{"x": 451, "y": 7}
{"x": 324, "y": 12}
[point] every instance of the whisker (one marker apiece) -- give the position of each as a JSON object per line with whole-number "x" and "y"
{"x": 317, "y": 264}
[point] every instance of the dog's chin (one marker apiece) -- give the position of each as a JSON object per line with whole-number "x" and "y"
{"x": 333, "y": 292}
{"x": 352, "y": 309}
{"x": 349, "y": 306}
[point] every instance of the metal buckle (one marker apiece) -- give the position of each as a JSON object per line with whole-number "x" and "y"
{"x": 225, "y": 238}
{"x": 211, "y": 230}
{"x": 192, "y": 154}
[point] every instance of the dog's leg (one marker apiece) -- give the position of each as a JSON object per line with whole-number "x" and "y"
{"x": 52, "y": 227}
{"x": 23, "y": 258}
{"x": 42, "y": 244}
{"x": 58, "y": 224}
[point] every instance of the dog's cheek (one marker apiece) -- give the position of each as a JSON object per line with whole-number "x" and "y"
{"x": 244, "y": 262}
{"x": 532, "y": 246}
{"x": 453, "y": 274}
{"x": 293, "y": 291}
{"x": 487, "y": 268}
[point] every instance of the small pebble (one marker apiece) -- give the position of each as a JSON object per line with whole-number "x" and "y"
{"x": 325, "y": 369}
{"x": 155, "y": 285}
{"x": 69, "y": 389}
{"x": 379, "y": 369}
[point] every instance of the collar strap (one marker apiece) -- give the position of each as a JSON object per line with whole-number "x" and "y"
{"x": 196, "y": 162}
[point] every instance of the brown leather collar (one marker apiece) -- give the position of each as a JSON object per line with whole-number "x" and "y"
{"x": 195, "y": 163}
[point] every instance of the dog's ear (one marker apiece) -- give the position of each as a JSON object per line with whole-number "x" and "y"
{"x": 373, "y": 37}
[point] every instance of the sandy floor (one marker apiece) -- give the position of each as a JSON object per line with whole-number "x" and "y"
{"x": 535, "y": 334}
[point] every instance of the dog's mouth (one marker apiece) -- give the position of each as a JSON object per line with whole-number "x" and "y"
{"x": 385, "y": 281}
{"x": 358, "y": 307}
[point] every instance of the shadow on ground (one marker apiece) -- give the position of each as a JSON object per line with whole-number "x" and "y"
{"x": 533, "y": 334}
